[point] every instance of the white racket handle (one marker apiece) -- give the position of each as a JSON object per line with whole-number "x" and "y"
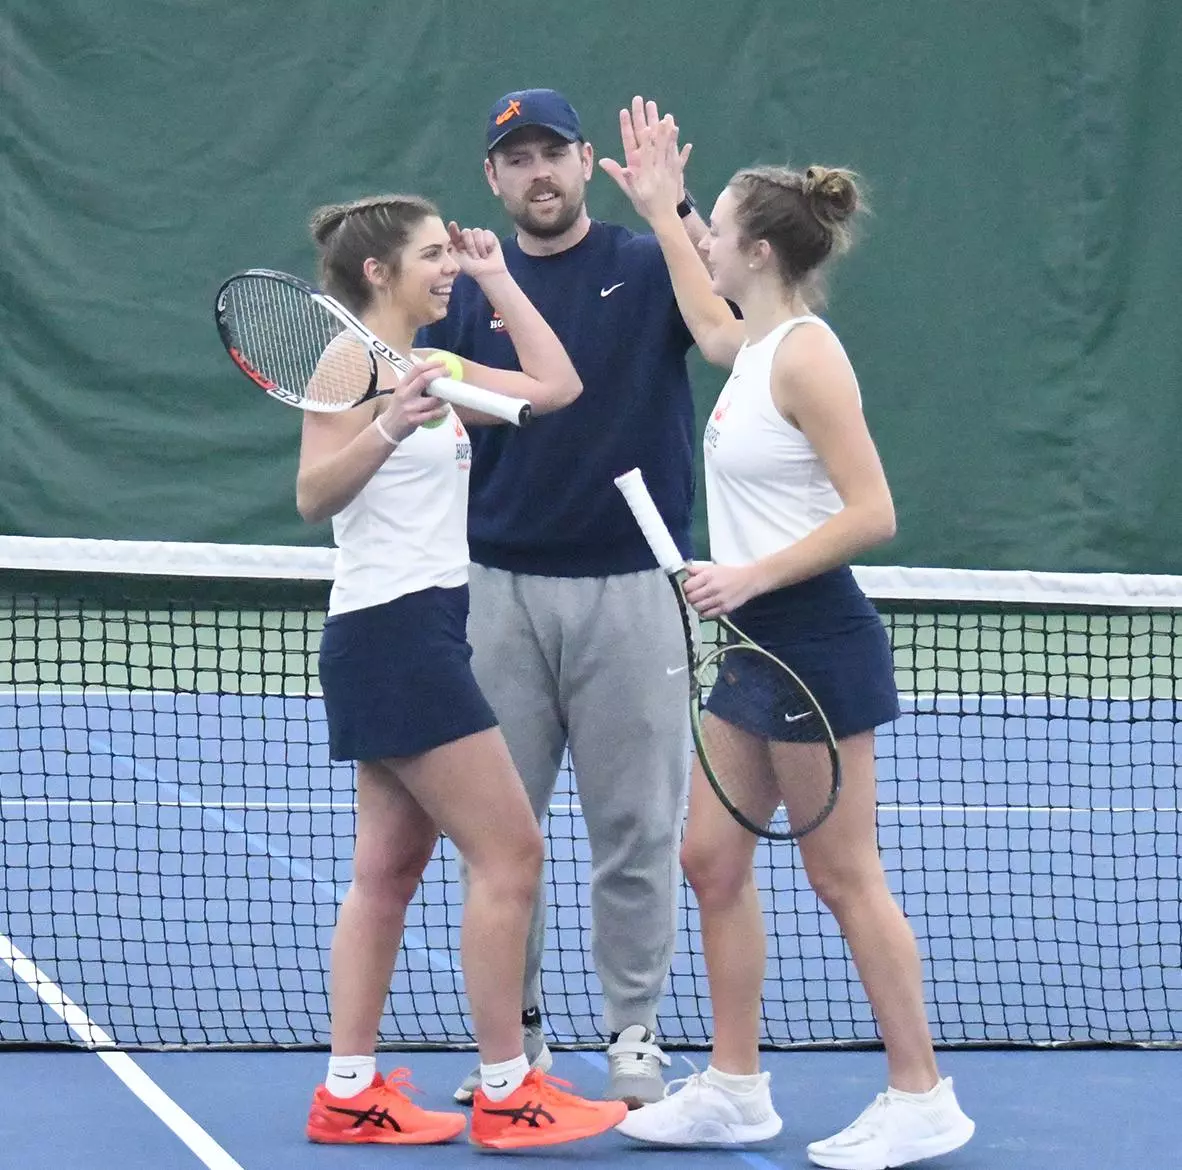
{"x": 636, "y": 494}
{"x": 514, "y": 410}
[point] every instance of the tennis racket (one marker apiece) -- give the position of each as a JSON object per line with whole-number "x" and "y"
{"x": 765, "y": 744}
{"x": 306, "y": 349}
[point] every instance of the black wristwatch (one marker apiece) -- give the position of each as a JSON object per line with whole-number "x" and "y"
{"x": 686, "y": 205}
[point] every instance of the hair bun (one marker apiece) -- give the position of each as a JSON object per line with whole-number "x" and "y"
{"x": 832, "y": 193}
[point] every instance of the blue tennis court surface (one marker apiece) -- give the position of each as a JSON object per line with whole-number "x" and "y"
{"x": 1035, "y": 1110}
{"x": 175, "y": 861}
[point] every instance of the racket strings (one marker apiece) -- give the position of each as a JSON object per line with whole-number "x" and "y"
{"x": 742, "y": 765}
{"x": 289, "y": 339}
{"x": 765, "y": 741}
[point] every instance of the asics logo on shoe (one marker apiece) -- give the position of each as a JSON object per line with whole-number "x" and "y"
{"x": 371, "y": 1116}
{"x": 529, "y": 1113}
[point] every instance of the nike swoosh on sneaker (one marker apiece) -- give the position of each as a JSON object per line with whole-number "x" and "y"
{"x": 607, "y": 292}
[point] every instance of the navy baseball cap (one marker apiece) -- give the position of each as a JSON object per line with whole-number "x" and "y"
{"x": 533, "y": 107}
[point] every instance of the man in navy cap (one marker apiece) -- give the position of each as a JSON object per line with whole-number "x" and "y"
{"x": 576, "y": 638}
{"x": 539, "y": 120}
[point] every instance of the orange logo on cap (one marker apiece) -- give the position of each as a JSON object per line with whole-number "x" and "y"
{"x": 512, "y": 111}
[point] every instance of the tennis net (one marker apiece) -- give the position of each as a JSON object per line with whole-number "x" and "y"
{"x": 175, "y": 841}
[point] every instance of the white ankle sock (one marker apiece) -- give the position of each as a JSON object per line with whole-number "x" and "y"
{"x": 499, "y": 1080}
{"x": 350, "y": 1075}
{"x": 918, "y": 1098}
{"x": 733, "y": 1082}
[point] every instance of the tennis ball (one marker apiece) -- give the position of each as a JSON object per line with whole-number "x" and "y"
{"x": 455, "y": 367}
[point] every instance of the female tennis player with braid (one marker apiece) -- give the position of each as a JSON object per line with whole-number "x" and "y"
{"x": 794, "y": 491}
{"x": 398, "y": 689}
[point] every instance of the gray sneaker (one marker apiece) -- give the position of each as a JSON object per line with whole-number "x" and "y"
{"x": 634, "y": 1067}
{"x": 536, "y": 1052}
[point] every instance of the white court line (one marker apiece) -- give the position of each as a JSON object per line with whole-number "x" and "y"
{"x": 349, "y": 806}
{"x": 1025, "y": 809}
{"x": 216, "y": 805}
{"x": 81, "y": 692}
{"x": 220, "y": 805}
{"x": 52, "y": 690}
{"x": 149, "y": 1093}
{"x": 756, "y": 1160}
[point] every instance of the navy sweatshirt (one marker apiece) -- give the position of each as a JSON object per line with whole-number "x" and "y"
{"x": 542, "y": 498}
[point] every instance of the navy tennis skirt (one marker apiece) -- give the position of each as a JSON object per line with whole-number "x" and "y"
{"x": 397, "y": 677}
{"x": 830, "y": 634}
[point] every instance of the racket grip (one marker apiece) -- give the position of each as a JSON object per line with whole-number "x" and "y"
{"x": 514, "y": 410}
{"x": 660, "y": 540}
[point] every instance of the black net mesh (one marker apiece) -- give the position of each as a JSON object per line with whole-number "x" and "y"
{"x": 175, "y": 841}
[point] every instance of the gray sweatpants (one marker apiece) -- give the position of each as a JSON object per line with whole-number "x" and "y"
{"x": 598, "y": 663}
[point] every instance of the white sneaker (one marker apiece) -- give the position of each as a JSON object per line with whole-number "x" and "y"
{"x": 895, "y": 1130}
{"x": 699, "y": 1113}
{"x": 634, "y": 1067}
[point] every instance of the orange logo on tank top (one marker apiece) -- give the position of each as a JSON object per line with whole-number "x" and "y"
{"x": 710, "y": 438}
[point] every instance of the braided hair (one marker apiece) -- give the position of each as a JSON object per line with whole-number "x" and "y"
{"x": 349, "y": 233}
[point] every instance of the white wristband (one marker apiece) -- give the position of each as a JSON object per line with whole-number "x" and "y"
{"x": 377, "y": 422}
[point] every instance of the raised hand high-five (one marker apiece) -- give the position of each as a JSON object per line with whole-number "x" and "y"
{"x": 653, "y": 172}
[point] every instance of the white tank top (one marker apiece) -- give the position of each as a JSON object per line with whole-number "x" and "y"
{"x": 766, "y": 487}
{"x": 407, "y": 529}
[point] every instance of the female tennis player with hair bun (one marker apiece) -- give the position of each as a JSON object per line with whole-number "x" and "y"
{"x": 794, "y": 491}
{"x": 398, "y": 689}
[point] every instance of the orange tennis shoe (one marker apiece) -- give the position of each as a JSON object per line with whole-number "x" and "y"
{"x": 538, "y": 1113}
{"x": 382, "y": 1113}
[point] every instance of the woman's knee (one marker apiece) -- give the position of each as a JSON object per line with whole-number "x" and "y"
{"x": 528, "y": 853}
{"x": 717, "y": 876}
{"x": 845, "y": 882}
{"x": 389, "y": 882}
{"x": 509, "y": 861}
{"x": 394, "y": 842}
